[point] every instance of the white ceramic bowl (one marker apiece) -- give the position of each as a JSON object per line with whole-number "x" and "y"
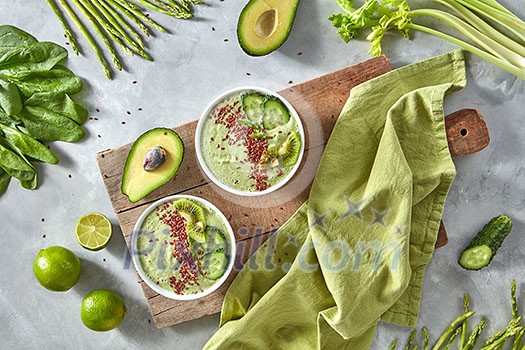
{"x": 205, "y": 167}
{"x": 154, "y": 286}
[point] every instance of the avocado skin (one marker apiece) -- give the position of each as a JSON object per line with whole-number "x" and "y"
{"x": 274, "y": 45}
{"x": 135, "y": 160}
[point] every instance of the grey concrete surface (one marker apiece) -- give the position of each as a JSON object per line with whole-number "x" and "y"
{"x": 193, "y": 64}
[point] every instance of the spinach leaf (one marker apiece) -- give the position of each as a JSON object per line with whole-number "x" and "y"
{"x": 12, "y": 37}
{"x": 15, "y": 166}
{"x": 47, "y": 125}
{"x": 37, "y": 56}
{"x": 8, "y": 119}
{"x": 27, "y": 145}
{"x": 57, "y": 80}
{"x": 10, "y": 100}
{"x": 29, "y": 184}
{"x": 61, "y": 104}
{"x": 5, "y": 178}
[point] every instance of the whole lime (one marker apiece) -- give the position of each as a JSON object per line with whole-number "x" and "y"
{"x": 102, "y": 310}
{"x": 57, "y": 268}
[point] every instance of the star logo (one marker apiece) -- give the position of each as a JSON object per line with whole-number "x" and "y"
{"x": 379, "y": 217}
{"x": 318, "y": 220}
{"x": 354, "y": 209}
{"x": 292, "y": 239}
{"x": 400, "y": 231}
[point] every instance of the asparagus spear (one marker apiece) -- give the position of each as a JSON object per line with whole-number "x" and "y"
{"x": 498, "y": 343}
{"x": 453, "y": 337}
{"x": 117, "y": 16}
{"x": 517, "y": 341}
{"x": 474, "y": 336}
{"x": 393, "y": 345}
{"x": 88, "y": 37}
{"x": 411, "y": 339}
{"x": 426, "y": 339}
{"x": 65, "y": 26}
{"x": 100, "y": 33}
{"x": 159, "y": 6}
{"x": 111, "y": 21}
{"x": 88, "y": 6}
{"x": 466, "y": 305}
{"x": 515, "y": 313}
{"x": 451, "y": 329}
{"x": 135, "y": 10}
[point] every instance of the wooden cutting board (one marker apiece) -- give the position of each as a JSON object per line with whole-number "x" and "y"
{"x": 253, "y": 219}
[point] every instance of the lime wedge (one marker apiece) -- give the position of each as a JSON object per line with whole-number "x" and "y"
{"x": 93, "y": 231}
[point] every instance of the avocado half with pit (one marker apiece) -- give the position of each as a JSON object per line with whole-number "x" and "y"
{"x": 264, "y": 25}
{"x": 152, "y": 161}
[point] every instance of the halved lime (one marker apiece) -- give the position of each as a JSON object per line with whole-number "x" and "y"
{"x": 93, "y": 231}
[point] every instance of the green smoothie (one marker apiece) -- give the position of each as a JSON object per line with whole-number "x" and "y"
{"x": 183, "y": 246}
{"x": 250, "y": 141}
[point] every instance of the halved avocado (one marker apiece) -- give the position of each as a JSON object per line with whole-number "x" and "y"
{"x": 137, "y": 182}
{"x": 264, "y": 25}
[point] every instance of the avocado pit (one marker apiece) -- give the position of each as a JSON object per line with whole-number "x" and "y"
{"x": 266, "y": 23}
{"x": 154, "y": 158}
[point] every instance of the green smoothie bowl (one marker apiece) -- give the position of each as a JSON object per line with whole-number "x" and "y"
{"x": 249, "y": 141}
{"x": 183, "y": 247}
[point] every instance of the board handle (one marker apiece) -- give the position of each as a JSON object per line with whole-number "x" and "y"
{"x": 467, "y": 133}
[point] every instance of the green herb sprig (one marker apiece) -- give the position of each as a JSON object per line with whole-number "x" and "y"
{"x": 501, "y": 44}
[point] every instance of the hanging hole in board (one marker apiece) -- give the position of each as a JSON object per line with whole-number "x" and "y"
{"x": 463, "y": 132}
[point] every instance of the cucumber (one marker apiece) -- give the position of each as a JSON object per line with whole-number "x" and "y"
{"x": 480, "y": 252}
{"x": 275, "y": 113}
{"x": 252, "y": 105}
{"x": 215, "y": 240}
{"x": 214, "y": 265}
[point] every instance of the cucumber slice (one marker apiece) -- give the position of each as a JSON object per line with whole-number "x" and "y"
{"x": 275, "y": 113}
{"x": 215, "y": 241}
{"x": 214, "y": 265}
{"x": 480, "y": 252}
{"x": 252, "y": 105}
{"x": 475, "y": 258}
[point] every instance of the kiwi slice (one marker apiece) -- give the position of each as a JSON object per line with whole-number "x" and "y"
{"x": 288, "y": 151}
{"x": 195, "y": 220}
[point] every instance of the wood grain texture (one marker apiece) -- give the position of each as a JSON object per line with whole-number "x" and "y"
{"x": 253, "y": 219}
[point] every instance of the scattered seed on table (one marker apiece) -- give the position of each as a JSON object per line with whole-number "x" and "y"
{"x": 290, "y": 82}
{"x": 212, "y": 29}
{"x": 104, "y": 259}
{"x": 299, "y": 53}
{"x": 122, "y": 123}
{"x": 66, "y": 43}
{"x": 69, "y": 176}
{"x": 44, "y": 235}
{"x": 248, "y": 74}
{"x": 99, "y": 136}
{"x": 43, "y": 220}
{"x": 128, "y": 112}
{"x": 226, "y": 40}
{"x": 134, "y": 82}
{"x": 98, "y": 110}
{"x": 140, "y": 109}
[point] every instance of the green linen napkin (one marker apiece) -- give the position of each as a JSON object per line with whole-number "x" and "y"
{"x": 356, "y": 251}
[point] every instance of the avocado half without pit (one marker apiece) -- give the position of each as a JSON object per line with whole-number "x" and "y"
{"x": 264, "y": 25}
{"x": 152, "y": 161}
